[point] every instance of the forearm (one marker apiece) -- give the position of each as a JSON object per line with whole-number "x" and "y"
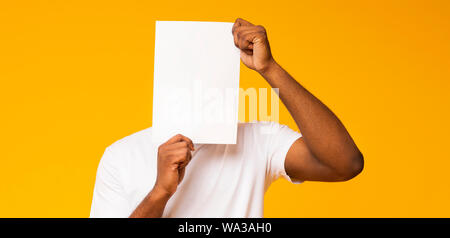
{"x": 325, "y": 135}
{"x": 152, "y": 206}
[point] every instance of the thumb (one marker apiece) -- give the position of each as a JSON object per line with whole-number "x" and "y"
{"x": 247, "y": 59}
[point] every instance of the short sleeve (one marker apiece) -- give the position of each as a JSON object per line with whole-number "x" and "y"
{"x": 108, "y": 199}
{"x": 277, "y": 139}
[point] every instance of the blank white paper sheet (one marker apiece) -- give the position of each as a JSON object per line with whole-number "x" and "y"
{"x": 196, "y": 82}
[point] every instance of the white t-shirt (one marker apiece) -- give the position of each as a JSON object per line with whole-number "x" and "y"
{"x": 220, "y": 180}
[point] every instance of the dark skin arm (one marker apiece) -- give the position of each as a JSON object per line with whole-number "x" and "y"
{"x": 173, "y": 157}
{"x": 153, "y": 205}
{"x": 326, "y": 151}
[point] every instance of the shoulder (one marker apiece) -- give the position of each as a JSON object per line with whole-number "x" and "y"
{"x": 266, "y": 131}
{"x": 134, "y": 142}
{"x": 254, "y": 124}
{"x": 254, "y": 131}
{"x": 259, "y": 127}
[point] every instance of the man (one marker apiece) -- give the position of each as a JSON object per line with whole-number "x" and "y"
{"x": 136, "y": 178}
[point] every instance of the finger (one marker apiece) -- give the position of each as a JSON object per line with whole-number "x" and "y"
{"x": 244, "y": 31}
{"x": 242, "y": 22}
{"x": 239, "y": 22}
{"x": 246, "y": 40}
{"x": 240, "y": 30}
{"x": 178, "y": 138}
{"x": 175, "y": 138}
{"x": 247, "y": 52}
{"x": 246, "y": 57}
{"x": 189, "y": 141}
{"x": 183, "y": 159}
{"x": 243, "y": 28}
{"x": 178, "y": 145}
{"x": 172, "y": 140}
{"x": 178, "y": 151}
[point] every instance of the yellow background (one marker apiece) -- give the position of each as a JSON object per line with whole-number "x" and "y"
{"x": 77, "y": 76}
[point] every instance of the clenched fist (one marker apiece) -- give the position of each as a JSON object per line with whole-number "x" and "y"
{"x": 254, "y": 45}
{"x": 173, "y": 157}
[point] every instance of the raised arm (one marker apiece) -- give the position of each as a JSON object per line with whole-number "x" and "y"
{"x": 326, "y": 152}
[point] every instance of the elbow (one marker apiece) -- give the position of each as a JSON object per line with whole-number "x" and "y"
{"x": 354, "y": 166}
{"x": 357, "y": 165}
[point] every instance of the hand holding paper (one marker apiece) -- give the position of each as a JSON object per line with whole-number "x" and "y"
{"x": 255, "y": 48}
